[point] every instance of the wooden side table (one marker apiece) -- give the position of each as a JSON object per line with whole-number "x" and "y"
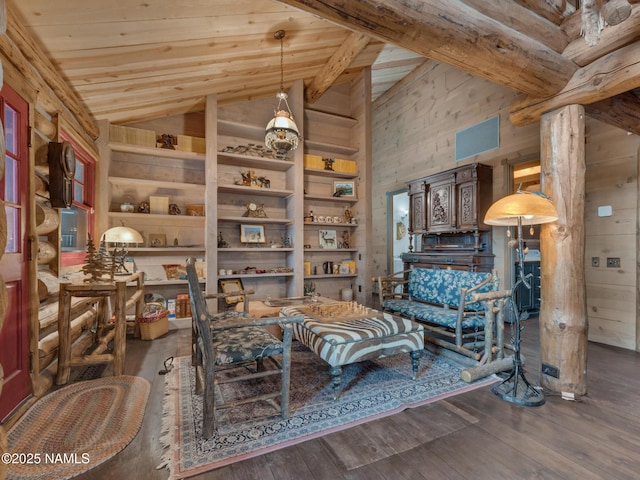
{"x": 105, "y": 331}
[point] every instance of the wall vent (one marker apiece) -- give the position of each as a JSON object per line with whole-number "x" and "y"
{"x": 479, "y": 138}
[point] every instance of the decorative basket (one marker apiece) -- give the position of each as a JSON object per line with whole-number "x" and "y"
{"x": 154, "y": 321}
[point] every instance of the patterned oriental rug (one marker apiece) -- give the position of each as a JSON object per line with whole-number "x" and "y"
{"x": 76, "y": 428}
{"x": 371, "y": 390}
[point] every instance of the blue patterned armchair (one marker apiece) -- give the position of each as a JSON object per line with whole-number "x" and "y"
{"x": 232, "y": 340}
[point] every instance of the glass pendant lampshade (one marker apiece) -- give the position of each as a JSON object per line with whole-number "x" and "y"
{"x": 530, "y": 208}
{"x": 282, "y": 134}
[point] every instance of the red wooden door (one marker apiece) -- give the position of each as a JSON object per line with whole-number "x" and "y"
{"x": 14, "y": 342}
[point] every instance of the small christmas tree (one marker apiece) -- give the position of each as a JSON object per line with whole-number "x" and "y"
{"x": 98, "y": 263}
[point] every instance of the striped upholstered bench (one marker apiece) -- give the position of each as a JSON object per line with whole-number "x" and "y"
{"x": 341, "y": 343}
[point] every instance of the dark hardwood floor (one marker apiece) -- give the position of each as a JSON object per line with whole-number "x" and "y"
{"x": 474, "y": 435}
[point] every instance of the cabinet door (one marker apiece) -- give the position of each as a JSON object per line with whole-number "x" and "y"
{"x": 467, "y": 206}
{"x": 441, "y": 209}
{"x": 417, "y": 208}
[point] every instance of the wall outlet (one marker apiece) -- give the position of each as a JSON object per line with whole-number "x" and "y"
{"x": 613, "y": 262}
{"x": 550, "y": 370}
{"x": 595, "y": 261}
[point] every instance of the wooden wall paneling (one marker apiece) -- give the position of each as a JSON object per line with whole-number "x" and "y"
{"x": 609, "y": 307}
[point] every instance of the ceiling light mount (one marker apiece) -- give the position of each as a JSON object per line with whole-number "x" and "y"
{"x": 282, "y": 134}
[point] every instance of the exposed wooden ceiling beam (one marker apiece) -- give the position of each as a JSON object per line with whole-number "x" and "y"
{"x": 522, "y": 19}
{"x": 622, "y": 111}
{"x": 336, "y": 65}
{"x": 553, "y": 10}
{"x": 610, "y": 75}
{"x": 50, "y": 76}
{"x": 478, "y": 45}
{"x": 611, "y": 38}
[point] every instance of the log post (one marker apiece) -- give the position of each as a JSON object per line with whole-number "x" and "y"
{"x": 563, "y": 312}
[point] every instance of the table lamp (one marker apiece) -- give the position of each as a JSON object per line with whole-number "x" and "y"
{"x": 532, "y": 208}
{"x": 120, "y": 237}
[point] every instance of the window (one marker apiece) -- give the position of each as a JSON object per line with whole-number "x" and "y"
{"x": 77, "y": 222}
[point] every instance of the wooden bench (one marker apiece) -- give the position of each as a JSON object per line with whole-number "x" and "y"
{"x": 461, "y": 310}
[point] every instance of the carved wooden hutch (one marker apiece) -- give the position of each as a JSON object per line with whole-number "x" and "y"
{"x": 446, "y": 213}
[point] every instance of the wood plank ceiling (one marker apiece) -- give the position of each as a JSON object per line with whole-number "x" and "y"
{"x": 133, "y": 60}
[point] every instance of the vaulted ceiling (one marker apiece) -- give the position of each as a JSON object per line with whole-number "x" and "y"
{"x": 132, "y": 60}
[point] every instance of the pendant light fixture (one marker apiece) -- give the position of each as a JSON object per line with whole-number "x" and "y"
{"x": 282, "y": 134}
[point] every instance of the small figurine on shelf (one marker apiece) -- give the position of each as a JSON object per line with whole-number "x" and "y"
{"x": 222, "y": 242}
{"x": 347, "y": 215}
{"x": 328, "y": 163}
{"x": 144, "y": 207}
{"x": 167, "y": 141}
{"x": 286, "y": 242}
{"x": 174, "y": 209}
{"x": 345, "y": 239}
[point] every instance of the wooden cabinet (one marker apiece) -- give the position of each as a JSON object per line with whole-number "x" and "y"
{"x": 450, "y": 226}
{"x": 418, "y": 206}
{"x": 441, "y": 206}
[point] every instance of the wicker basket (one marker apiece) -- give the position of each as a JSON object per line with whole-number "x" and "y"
{"x": 154, "y": 321}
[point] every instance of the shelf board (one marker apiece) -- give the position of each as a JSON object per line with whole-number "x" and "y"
{"x": 330, "y": 250}
{"x": 332, "y": 118}
{"x": 156, "y": 152}
{"x": 255, "y": 249}
{"x": 143, "y": 182}
{"x": 263, "y": 192}
{"x": 150, "y": 217}
{"x": 177, "y": 249}
{"x": 255, "y": 275}
{"x": 344, "y": 275}
{"x": 327, "y": 198}
{"x": 330, "y": 147}
{"x": 329, "y": 173}
{"x": 325, "y": 224}
{"x": 280, "y": 221}
{"x": 169, "y": 282}
{"x": 250, "y": 161}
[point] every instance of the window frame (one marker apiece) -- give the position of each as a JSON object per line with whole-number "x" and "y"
{"x": 75, "y": 258}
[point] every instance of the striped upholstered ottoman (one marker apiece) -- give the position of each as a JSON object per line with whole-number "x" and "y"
{"x": 375, "y": 335}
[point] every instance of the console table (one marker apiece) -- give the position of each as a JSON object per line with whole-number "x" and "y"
{"x": 106, "y": 331}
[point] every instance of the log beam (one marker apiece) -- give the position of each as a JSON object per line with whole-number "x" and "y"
{"x": 336, "y": 65}
{"x": 611, "y": 39}
{"x": 563, "y": 311}
{"x": 553, "y": 10}
{"x": 622, "y": 111}
{"x": 480, "y": 45}
{"x": 613, "y": 74}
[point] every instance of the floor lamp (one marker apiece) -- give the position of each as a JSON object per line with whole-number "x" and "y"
{"x": 514, "y": 210}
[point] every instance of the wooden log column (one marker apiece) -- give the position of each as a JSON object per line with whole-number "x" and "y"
{"x": 563, "y": 312}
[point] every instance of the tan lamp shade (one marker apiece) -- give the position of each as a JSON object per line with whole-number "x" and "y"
{"x": 530, "y": 208}
{"x": 122, "y": 235}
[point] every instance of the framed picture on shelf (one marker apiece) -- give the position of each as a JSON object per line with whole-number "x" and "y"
{"x": 344, "y": 188}
{"x": 252, "y": 234}
{"x": 327, "y": 239}
{"x": 157, "y": 240}
{"x": 231, "y": 286}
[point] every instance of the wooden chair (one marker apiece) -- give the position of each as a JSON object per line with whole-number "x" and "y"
{"x": 232, "y": 340}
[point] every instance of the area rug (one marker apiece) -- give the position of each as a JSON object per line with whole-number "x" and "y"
{"x": 371, "y": 390}
{"x": 76, "y": 428}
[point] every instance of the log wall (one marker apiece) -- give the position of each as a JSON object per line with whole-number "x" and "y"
{"x": 414, "y": 127}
